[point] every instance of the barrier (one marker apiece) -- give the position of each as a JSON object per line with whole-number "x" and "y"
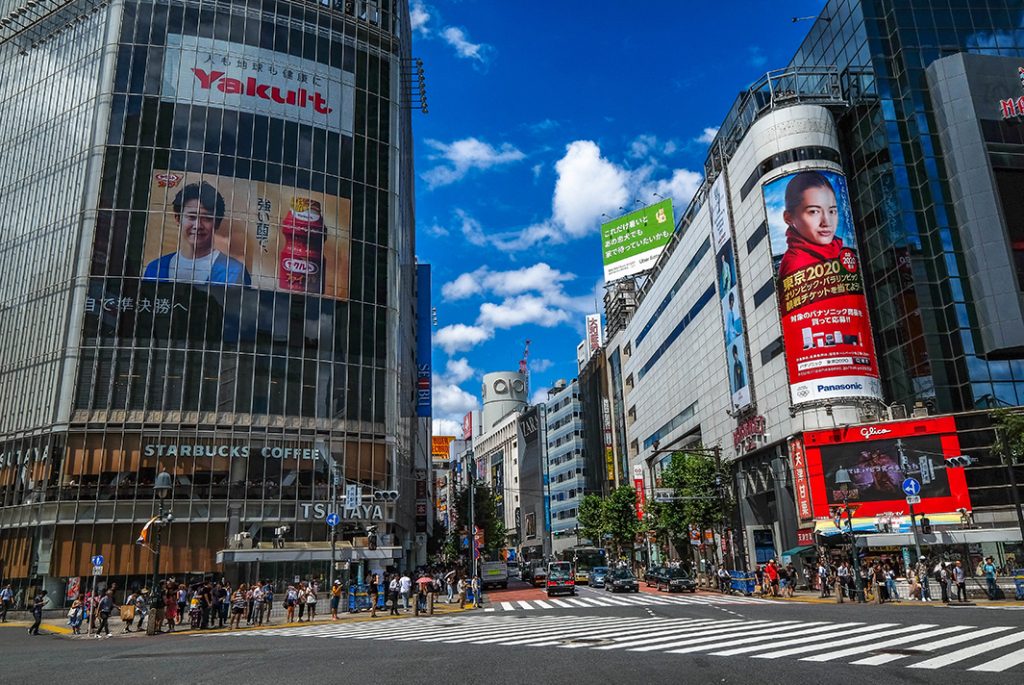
{"x": 1018, "y": 583}
{"x": 741, "y": 581}
{"x": 359, "y": 598}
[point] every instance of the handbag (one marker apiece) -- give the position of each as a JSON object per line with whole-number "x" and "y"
{"x": 127, "y": 612}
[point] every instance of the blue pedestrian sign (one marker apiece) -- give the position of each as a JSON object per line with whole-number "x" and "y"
{"x": 97, "y": 560}
{"x": 911, "y": 487}
{"x": 333, "y": 519}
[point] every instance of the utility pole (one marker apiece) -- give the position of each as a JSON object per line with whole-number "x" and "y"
{"x": 910, "y": 505}
{"x": 471, "y": 479}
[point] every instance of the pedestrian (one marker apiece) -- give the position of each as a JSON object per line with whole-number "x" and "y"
{"x": 142, "y": 608}
{"x": 921, "y": 571}
{"x": 238, "y": 604}
{"x": 291, "y": 598}
{"x": 792, "y": 574}
{"x": 301, "y": 600}
{"x": 405, "y": 589}
{"x": 460, "y": 586}
{"x": 960, "y": 578}
{"x": 943, "y": 577}
{"x": 842, "y": 581}
{"x": 76, "y": 615}
{"x": 268, "y": 601}
{"x": 171, "y": 607}
{"x": 335, "y": 599}
{"x": 127, "y": 612}
{"x": 771, "y": 573}
{"x": 374, "y": 592}
{"x": 759, "y": 575}
{"x": 394, "y": 590}
{"x": 449, "y": 582}
{"x": 475, "y": 586}
{"x": 105, "y": 608}
{"x": 890, "y": 583}
{"x": 38, "y": 604}
{"x": 989, "y": 570}
{"x": 311, "y": 602}
{"x": 182, "y": 602}
{"x": 6, "y": 599}
{"x": 878, "y": 579}
{"x": 822, "y": 578}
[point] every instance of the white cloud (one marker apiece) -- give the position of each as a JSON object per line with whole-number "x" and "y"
{"x": 458, "y": 370}
{"x": 539, "y": 396}
{"x": 462, "y": 156}
{"x": 587, "y": 186}
{"x": 537, "y": 169}
{"x": 681, "y": 187}
{"x": 447, "y": 427}
{"x": 540, "y": 365}
{"x": 451, "y": 400}
{"x": 419, "y": 17}
{"x": 757, "y": 57}
{"x": 459, "y": 337}
{"x": 459, "y": 40}
{"x": 466, "y": 285}
{"x": 516, "y": 311}
{"x": 708, "y": 135}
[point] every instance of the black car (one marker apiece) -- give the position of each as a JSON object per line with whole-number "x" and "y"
{"x": 676, "y": 580}
{"x": 621, "y": 580}
{"x": 652, "y": 574}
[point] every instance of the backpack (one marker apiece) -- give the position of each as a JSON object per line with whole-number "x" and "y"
{"x": 938, "y": 575}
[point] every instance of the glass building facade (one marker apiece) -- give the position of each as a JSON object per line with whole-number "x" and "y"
{"x": 207, "y": 270}
{"x": 924, "y": 315}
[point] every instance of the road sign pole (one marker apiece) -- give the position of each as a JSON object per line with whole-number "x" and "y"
{"x": 913, "y": 527}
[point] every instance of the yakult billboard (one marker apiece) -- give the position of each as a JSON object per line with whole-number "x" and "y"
{"x": 825, "y": 328}
{"x": 240, "y": 77}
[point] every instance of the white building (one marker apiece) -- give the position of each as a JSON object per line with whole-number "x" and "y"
{"x": 564, "y": 461}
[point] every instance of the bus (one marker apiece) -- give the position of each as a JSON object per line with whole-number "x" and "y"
{"x": 584, "y": 558}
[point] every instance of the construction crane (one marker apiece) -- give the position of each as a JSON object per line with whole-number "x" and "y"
{"x": 523, "y": 367}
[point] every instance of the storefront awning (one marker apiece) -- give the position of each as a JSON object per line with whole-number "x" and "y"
{"x": 797, "y": 550}
{"x": 941, "y": 537}
{"x": 343, "y": 553}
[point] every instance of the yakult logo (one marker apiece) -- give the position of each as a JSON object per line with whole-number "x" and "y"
{"x": 299, "y": 97}
{"x": 300, "y": 266}
{"x": 872, "y": 431}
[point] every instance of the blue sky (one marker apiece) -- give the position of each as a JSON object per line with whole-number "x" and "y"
{"x": 543, "y": 117}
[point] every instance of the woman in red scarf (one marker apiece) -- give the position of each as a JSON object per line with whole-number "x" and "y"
{"x": 812, "y": 217}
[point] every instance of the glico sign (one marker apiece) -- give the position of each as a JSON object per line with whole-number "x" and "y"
{"x": 877, "y": 459}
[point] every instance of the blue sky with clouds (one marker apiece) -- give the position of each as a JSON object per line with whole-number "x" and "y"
{"x": 544, "y": 116}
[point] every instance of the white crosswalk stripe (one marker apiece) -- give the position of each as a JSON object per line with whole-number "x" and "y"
{"x": 588, "y": 598}
{"x": 995, "y": 649}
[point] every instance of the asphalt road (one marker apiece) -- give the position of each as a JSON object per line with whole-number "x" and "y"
{"x": 784, "y": 644}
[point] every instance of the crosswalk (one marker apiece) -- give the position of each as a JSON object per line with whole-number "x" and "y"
{"x": 589, "y": 600}
{"x": 920, "y": 646}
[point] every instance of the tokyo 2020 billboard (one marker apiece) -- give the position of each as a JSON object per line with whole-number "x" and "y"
{"x": 825, "y": 328}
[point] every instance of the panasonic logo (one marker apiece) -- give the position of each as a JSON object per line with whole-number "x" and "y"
{"x": 840, "y": 387}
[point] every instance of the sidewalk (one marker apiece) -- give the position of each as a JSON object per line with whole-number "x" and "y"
{"x": 55, "y": 626}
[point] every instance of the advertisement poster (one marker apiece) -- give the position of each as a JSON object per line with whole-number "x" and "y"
{"x": 878, "y": 458}
{"x": 206, "y": 229}
{"x": 631, "y": 244}
{"x": 594, "y": 336}
{"x": 424, "y": 348}
{"x": 440, "y": 446}
{"x": 243, "y": 78}
{"x": 737, "y": 361}
{"x": 825, "y": 328}
{"x": 638, "y": 485}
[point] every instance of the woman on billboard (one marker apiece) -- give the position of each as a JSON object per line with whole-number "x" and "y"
{"x": 198, "y": 210}
{"x": 811, "y": 215}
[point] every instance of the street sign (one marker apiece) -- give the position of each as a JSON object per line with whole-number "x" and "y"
{"x": 352, "y": 497}
{"x": 97, "y": 570}
{"x": 333, "y": 519}
{"x": 97, "y": 560}
{"x": 663, "y": 494}
{"x": 913, "y": 499}
{"x": 911, "y": 487}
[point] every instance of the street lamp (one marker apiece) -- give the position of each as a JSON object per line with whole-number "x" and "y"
{"x": 162, "y": 487}
{"x": 843, "y": 480}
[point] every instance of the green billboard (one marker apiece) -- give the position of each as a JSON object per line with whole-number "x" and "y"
{"x": 631, "y": 243}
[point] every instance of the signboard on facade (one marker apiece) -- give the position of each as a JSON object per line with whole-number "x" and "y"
{"x": 638, "y": 485}
{"x": 730, "y": 296}
{"x": 440, "y": 446}
{"x": 467, "y": 426}
{"x": 594, "y": 334}
{"x": 826, "y": 333}
{"x": 243, "y": 78}
{"x": 424, "y": 349}
{"x": 1013, "y": 107}
{"x": 632, "y": 243}
{"x": 749, "y": 433}
{"x": 878, "y": 458}
{"x": 801, "y": 483}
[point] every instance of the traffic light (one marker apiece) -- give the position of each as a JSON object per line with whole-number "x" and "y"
{"x": 926, "y": 526}
{"x": 385, "y": 495}
{"x": 959, "y": 461}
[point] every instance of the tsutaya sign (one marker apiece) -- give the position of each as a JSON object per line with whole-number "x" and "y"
{"x": 31, "y": 455}
{"x": 362, "y": 512}
{"x": 233, "y": 451}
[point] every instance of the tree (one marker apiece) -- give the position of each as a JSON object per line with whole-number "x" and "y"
{"x": 619, "y": 517}
{"x": 698, "y": 482}
{"x": 591, "y": 518}
{"x": 488, "y": 516}
{"x": 1009, "y": 445}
